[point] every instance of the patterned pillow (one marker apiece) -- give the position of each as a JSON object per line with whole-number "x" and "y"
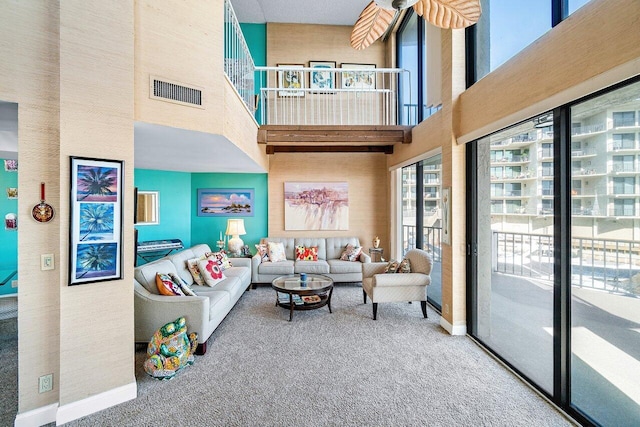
{"x": 192, "y": 265}
{"x": 182, "y": 284}
{"x": 263, "y": 251}
{"x": 276, "y": 251}
{"x": 392, "y": 266}
{"x": 306, "y": 254}
{"x": 404, "y": 267}
{"x": 211, "y": 272}
{"x": 166, "y": 286}
{"x": 351, "y": 253}
{"x": 221, "y": 258}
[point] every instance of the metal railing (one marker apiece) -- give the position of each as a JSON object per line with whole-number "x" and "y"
{"x": 581, "y": 130}
{"x": 431, "y": 240}
{"x": 595, "y": 263}
{"x": 297, "y": 95}
{"x": 238, "y": 63}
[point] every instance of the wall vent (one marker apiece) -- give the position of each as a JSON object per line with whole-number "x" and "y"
{"x": 166, "y": 90}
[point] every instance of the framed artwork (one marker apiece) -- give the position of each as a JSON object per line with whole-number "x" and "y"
{"x": 225, "y": 202}
{"x": 322, "y": 80}
{"x": 12, "y": 193}
{"x": 96, "y": 220}
{"x": 356, "y": 79}
{"x": 446, "y": 216}
{"x": 316, "y": 206}
{"x": 11, "y": 165}
{"x": 290, "y": 80}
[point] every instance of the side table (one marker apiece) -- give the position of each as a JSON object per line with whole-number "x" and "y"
{"x": 376, "y": 254}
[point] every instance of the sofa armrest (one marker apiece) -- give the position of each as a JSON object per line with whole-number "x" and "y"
{"x": 371, "y": 268}
{"x": 401, "y": 279}
{"x": 242, "y": 262}
{"x": 364, "y": 258}
{"x": 154, "y": 311}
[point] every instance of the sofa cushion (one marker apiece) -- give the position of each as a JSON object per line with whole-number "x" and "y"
{"x": 221, "y": 258}
{"x": 194, "y": 270}
{"x": 318, "y": 242}
{"x": 276, "y": 252}
{"x": 211, "y": 272}
{"x": 277, "y": 268}
{"x": 337, "y": 266}
{"x": 183, "y": 285}
{"x": 313, "y": 267}
{"x": 146, "y": 274}
{"x": 335, "y": 245}
{"x": 166, "y": 286}
{"x": 263, "y": 251}
{"x": 242, "y": 273}
{"x": 351, "y": 253}
{"x": 304, "y": 253}
{"x": 179, "y": 259}
{"x": 288, "y": 242}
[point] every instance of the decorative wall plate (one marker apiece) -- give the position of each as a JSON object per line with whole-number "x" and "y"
{"x": 42, "y": 212}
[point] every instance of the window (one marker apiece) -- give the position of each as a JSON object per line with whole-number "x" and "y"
{"x": 624, "y": 141}
{"x": 623, "y": 207}
{"x": 576, "y": 4}
{"x": 547, "y": 150}
{"x": 624, "y": 185}
{"x": 408, "y": 59}
{"x": 624, "y": 119}
{"x": 547, "y": 169}
{"x": 547, "y": 188}
{"x": 623, "y": 164}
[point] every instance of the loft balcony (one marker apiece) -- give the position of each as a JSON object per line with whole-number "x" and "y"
{"x": 320, "y": 108}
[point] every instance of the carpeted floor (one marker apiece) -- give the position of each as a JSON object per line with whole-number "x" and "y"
{"x": 340, "y": 369}
{"x": 8, "y": 371}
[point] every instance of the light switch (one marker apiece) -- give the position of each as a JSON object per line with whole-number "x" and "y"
{"x": 46, "y": 262}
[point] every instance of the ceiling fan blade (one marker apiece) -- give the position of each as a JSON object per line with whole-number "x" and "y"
{"x": 371, "y": 25}
{"x": 449, "y": 13}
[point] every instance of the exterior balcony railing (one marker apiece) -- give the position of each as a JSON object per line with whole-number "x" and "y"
{"x": 296, "y": 95}
{"x": 587, "y": 129}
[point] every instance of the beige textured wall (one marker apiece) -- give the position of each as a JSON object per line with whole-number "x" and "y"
{"x": 29, "y": 70}
{"x": 96, "y": 120}
{"x": 368, "y": 191}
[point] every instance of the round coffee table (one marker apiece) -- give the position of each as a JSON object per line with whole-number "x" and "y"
{"x": 294, "y": 295}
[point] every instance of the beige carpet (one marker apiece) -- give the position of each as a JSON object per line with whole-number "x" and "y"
{"x": 340, "y": 369}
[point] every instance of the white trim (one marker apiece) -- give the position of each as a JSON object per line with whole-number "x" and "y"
{"x": 37, "y": 417}
{"x": 601, "y": 81}
{"x": 453, "y": 330}
{"x": 416, "y": 159}
{"x": 93, "y": 404}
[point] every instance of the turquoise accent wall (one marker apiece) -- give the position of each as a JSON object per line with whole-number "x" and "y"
{"x": 207, "y": 229}
{"x": 9, "y": 238}
{"x": 175, "y": 205}
{"x": 256, "y": 37}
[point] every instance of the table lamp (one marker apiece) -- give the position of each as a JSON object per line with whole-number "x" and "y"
{"x": 235, "y": 228}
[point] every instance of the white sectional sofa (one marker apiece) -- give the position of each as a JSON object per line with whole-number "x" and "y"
{"x": 203, "y": 312}
{"x": 328, "y": 264}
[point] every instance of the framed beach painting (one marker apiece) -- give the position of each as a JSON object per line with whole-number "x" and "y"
{"x": 357, "y": 77}
{"x": 96, "y": 220}
{"x": 291, "y": 80}
{"x": 320, "y": 79}
{"x": 225, "y": 202}
{"x": 316, "y": 206}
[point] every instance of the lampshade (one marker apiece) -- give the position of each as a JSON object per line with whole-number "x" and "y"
{"x": 235, "y": 227}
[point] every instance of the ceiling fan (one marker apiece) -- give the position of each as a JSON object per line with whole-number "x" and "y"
{"x": 379, "y": 15}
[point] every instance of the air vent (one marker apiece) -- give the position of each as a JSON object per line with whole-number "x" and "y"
{"x": 178, "y": 93}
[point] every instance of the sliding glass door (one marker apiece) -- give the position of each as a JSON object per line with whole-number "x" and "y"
{"x": 555, "y": 260}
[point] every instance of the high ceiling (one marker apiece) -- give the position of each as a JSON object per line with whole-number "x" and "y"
{"x": 326, "y": 12}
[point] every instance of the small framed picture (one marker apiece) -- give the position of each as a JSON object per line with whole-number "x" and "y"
{"x": 11, "y": 165}
{"x": 357, "y": 77}
{"x": 291, "y": 80}
{"x": 12, "y": 193}
{"x": 322, "y": 80}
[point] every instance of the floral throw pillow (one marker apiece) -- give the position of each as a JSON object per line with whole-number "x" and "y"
{"x": 276, "y": 251}
{"x": 221, "y": 258}
{"x": 211, "y": 272}
{"x": 166, "y": 286}
{"x": 351, "y": 253}
{"x": 182, "y": 284}
{"x": 263, "y": 251}
{"x": 192, "y": 266}
{"x": 306, "y": 254}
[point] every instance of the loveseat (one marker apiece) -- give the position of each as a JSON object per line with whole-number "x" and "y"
{"x": 203, "y": 312}
{"x": 329, "y": 263}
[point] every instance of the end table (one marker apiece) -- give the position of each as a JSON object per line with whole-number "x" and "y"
{"x": 376, "y": 254}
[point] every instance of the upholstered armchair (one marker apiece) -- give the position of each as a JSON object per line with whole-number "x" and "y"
{"x": 396, "y": 287}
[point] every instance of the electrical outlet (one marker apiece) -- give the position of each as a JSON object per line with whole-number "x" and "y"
{"x": 14, "y": 283}
{"x": 46, "y": 262}
{"x": 45, "y": 383}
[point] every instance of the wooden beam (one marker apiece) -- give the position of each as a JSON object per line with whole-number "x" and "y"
{"x": 386, "y": 149}
{"x": 334, "y": 135}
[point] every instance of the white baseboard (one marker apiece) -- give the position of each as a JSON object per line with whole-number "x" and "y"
{"x": 453, "y": 330}
{"x": 96, "y": 403}
{"x": 37, "y": 417}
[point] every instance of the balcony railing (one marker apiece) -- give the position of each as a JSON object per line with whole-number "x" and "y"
{"x": 238, "y": 63}
{"x": 582, "y": 130}
{"x": 295, "y": 95}
{"x": 431, "y": 240}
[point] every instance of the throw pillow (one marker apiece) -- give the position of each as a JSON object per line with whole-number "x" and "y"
{"x": 166, "y": 286}
{"x": 182, "y": 284}
{"x": 211, "y": 272}
{"x": 351, "y": 253}
{"x": 306, "y": 254}
{"x": 276, "y": 251}
{"x": 263, "y": 252}
{"x": 192, "y": 265}
{"x": 404, "y": 267}
{"x": 392, "y": 266}
{"x": 221, "y": 258}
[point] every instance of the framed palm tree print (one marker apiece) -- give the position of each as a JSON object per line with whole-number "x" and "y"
{"x": 96, "y": 220}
